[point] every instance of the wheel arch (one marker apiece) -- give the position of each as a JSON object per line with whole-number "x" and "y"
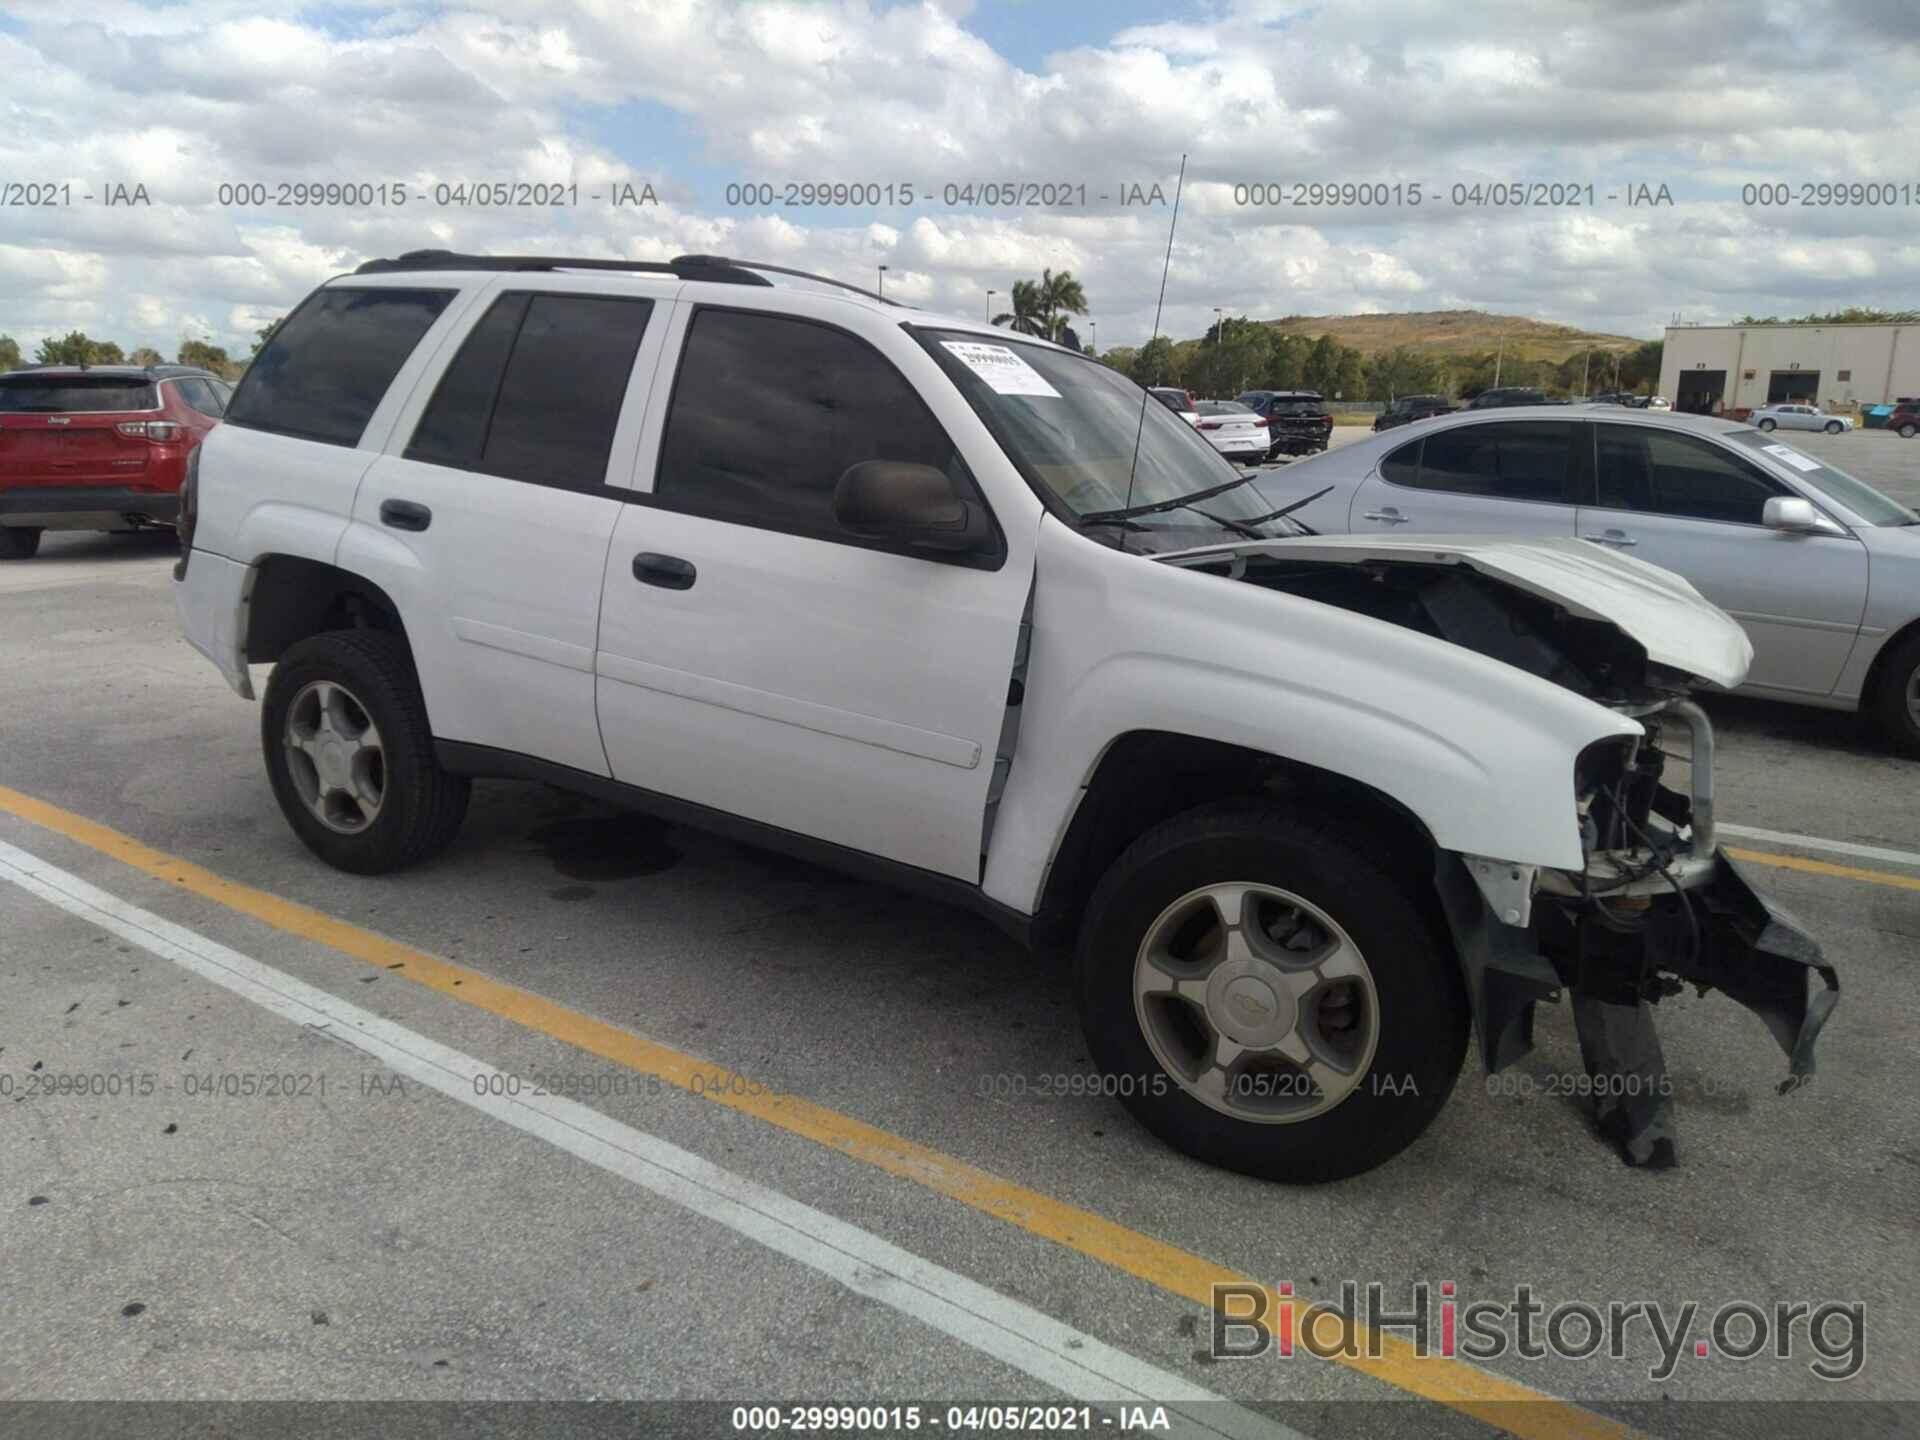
{"x": 1145, "y": 777}
{"x": 1876, "y": 677}
{"x": 291, "y": 598}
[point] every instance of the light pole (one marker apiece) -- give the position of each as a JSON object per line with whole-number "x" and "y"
{"x": 1217, "y": 323}
{"x": 882, "y": 292}
{"x": 1094, "y": 326}
{"x": 1498, "y": 356}
{"x": 990, "y": 295}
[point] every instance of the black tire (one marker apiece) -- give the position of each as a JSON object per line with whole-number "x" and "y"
{"x": 1423, "y": 1020}
{"x": 19, "y": 542}
{"x": 1890, "y": 709}
{"x": 1834, "y": 427}
{"x": 423, "y": 805}
{"x": 1769, "y": 424}
{"x": 1908, "y": 430}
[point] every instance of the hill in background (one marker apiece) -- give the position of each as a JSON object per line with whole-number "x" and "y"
{"x": 1454, "y": 333}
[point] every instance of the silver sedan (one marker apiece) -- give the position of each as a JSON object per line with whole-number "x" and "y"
{"x": 1794, "y": 416}
{"x": 1783, "y": 542}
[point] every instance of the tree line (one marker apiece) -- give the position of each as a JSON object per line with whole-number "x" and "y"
{"x": 76, "y": 347}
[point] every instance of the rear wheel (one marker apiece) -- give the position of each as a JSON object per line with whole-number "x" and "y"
{"x": 1908, "y": 430}
{"x": 1897, "y": 704}
{"x": 1263, "y": 998}
{"x": 19, "y": 542}
{"x": 350, "y": 754}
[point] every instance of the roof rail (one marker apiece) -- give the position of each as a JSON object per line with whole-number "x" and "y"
{"x": 720, "y": 269}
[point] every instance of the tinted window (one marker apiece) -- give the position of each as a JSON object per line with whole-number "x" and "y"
{"x": 200, "y": 396}
{"x": 769, "y": 412}
{"x": 327, "y": 366}
{"x": 536, "y": 390}
{"x": 73, "y": 394}
{"x": 1402, "y": 467}
{"x": 1525, "y": 460}
{"x": 1668, "y": 474}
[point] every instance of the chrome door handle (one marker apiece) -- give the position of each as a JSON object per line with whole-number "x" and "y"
{"x": 1392, "y": 517}
{"x": 1612, "y": 537}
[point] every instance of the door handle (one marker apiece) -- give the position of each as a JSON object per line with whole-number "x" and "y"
{"x": 1618, "y": 538}
{"x": 1390, "y": 515}
{"x": 405, "y": 515}
{"x": 669, "y": 572}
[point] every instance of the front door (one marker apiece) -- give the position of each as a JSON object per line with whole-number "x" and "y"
{"x": 1693, "y": 506}
{"x": 756, "y": 658}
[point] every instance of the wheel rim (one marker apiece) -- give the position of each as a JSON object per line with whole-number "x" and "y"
{"x": 336, "y": 757}
{"x": 1913, "y": 697}
{"x": 1256, "y": 1002}
{"x": 1766, "y": 424}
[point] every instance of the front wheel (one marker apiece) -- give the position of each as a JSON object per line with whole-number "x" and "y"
{"x": 1834, "y": 427}
{"x": 1263, "y": 998}
{"x": 19, "y": 542}
{"x": 1897, "y": 703}
{"x": 350, "y": 754}
{"x": 1769, "y": 425}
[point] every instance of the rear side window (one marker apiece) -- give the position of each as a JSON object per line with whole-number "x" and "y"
{"x": 1521, "y": 460}
{"x": 1662, "y": 473}
{"x": 536, "y": 390}
{"x": 73, "y": 394}
{"x": 768, "y": 413}
{"x": 201, "y": 396}
{"x": 327, "y": 366}
{"x": 1402, "y": 467}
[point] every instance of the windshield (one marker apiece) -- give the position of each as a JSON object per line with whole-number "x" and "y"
{"x": 1069, "y": 425}
{"x": 1856, "y": 495}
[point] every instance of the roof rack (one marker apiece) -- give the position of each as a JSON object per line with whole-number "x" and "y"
{"x": 712, "y": 268}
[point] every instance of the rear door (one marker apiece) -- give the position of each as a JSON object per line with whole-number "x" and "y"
{"x": 1498, "y": 477}
{"x": 488, "y": 515}
{"x": 1684, "y": 502}
{"x": 757, "y": 659}
{"x": 62, "y": 429}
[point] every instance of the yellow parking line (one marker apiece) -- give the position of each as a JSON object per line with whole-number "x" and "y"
{"x": 1492, "y": 1399}
{"x": 1825, "y": 867}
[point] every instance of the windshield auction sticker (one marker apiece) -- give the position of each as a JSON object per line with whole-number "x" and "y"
{"x": 1005, "y": 371}
{"x": 1792, "y": 456}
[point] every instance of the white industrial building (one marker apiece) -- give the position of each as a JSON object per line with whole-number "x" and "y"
{"x": 1710, "y": 368}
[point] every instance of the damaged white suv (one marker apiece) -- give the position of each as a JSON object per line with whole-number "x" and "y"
{"x": 955, "y": 607}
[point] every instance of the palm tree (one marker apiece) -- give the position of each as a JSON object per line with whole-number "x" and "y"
{"x": 1028, "y": 315}
{"x": 1060, "y": 296}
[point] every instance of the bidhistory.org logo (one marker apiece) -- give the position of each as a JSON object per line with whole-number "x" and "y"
{"x": 1250, "y": 1321}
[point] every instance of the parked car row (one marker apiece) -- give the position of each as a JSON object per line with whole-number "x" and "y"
{"x": 98, "y": 447}
{"x": 1289, "y": 422}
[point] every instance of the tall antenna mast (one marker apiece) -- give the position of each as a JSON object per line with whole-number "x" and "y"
{"x": 1165, "y": 266}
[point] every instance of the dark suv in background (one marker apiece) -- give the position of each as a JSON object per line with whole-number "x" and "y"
{"x": 98, "y": 447}
{"x": 1508, "y": 395}
{"x": 1412, "y": 407}
{"x": 1905, "y": 419}
{"x": 1297, "y": 421}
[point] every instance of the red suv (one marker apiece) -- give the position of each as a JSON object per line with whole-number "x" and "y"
{"x": 98, "y": 447}
{"x": 1905, "y": 419}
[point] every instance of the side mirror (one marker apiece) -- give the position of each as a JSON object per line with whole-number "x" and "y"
{"x": 1789, "y": 512}
{"x": 914, "y": 504}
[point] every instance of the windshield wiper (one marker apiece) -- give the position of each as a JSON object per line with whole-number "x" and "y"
{"x": 1157, "y": 507}
{"x": 1286, "y": 510}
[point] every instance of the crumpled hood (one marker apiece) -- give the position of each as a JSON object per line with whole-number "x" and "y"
{"x": 1676, "y": 625}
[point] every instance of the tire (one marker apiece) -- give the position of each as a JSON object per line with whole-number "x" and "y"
{"x": 1908, "y": 430}
{"x": 1769, "y": 424}
{"x": 1835, "y": 427}
{"x": 1896, "y": 701}
{"x": 358, "y": 677}
{"x": 19, "y": 542}
{"x": 1406, "y": 1022}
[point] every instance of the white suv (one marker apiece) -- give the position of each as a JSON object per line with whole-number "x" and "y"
{"x": 965, "y": 610}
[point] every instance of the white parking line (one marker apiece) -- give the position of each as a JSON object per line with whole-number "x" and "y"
{"x": 1056, "y": 1354}
{"x": 1814, "y": 842}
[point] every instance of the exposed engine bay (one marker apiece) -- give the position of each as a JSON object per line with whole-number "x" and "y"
{"x": 1657, "y": 906}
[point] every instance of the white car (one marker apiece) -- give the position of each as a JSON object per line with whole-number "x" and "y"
{"x": 1658, "y": 402}
{"x": 1799, "y": 417}
{"x": 970, "y": 613}
{"x": 1232, "y": 429}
